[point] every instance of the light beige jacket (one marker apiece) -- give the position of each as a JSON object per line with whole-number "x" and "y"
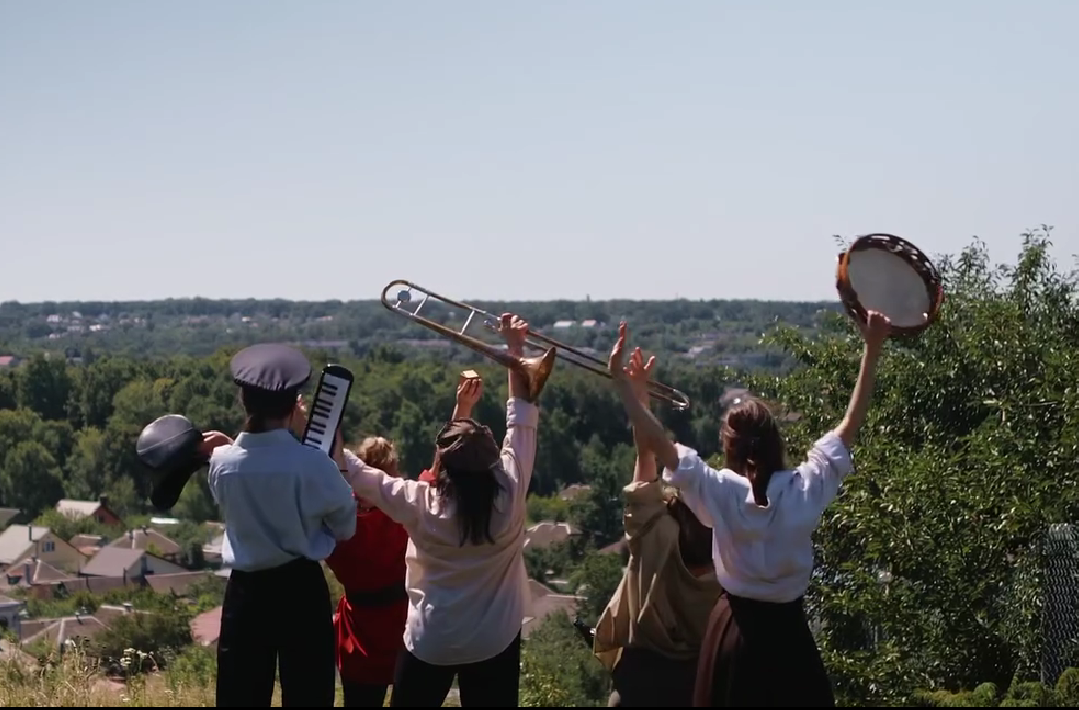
{"x": 659, "y": 605}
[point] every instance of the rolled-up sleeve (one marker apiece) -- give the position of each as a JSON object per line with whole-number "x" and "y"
{"x": 827, "y": 464}
{"x": 696, "y": 481}
{"x": 401, "y": 499}
{"x": 519, "y": 446}
{"x": 326, "y": 494}
{"x": 644, "y": 503}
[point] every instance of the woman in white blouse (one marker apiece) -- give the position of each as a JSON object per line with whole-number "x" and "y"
{"x": 465, "y": 574}
{"x": 758, "y": 649}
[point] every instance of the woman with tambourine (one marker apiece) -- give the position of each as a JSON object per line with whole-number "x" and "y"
{"x": 762, "y": 516}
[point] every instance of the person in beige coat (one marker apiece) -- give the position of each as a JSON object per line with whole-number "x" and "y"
{"x": 650, "y": 634}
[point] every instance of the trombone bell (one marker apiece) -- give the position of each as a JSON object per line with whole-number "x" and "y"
{"x": 536, "y": 370}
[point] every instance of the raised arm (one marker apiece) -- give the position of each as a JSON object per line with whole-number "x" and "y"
{"x": 646, "y": 427}
{"x": 522, "y": 416}
{"x": 639, "y": 371}
{"x": 515, "y": 330}
{"x": 875, "y": 331}
{"x": 399, "y": 498}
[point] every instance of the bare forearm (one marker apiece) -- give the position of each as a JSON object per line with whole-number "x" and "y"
{"x": 859, "y": 399}
{"x": 646, "y": 427}
{"x": 518, "y": 384}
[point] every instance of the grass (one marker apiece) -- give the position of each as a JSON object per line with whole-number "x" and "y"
{"x": 74, "y": 680}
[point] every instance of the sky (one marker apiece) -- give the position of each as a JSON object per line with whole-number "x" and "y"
{"x": 489, "y": 149}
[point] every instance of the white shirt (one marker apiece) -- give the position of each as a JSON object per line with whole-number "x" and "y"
{"x": 763, "y": 553}
{"x": 280, "y": 500}
{"x": 466, "y": 602}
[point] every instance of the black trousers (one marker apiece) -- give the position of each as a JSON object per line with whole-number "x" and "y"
{"x": 280, "y": 615}
{"x": 364, "y": 695}
{"x": 647, "y": 679}
{"x": 493, "y": 683}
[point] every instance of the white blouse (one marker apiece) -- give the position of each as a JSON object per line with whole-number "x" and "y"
{"x": 763, "y": 553}
{"x": 466, "y": 602}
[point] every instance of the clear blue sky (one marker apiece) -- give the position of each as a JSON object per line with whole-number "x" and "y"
{"x": 492, "y": 149}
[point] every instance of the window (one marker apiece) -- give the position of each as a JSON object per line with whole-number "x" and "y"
{"x": 48, "y": 546}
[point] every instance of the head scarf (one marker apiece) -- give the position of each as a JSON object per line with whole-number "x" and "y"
{"x": 466, "y": 445}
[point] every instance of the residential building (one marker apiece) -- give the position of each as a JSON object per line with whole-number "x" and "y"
{"x": 98, "y": 509}
{"x": 10, "y": 614}
{"x": 128, "y": 564}
{"x": 20, "y": 543}
{"x": 150, "y": 540}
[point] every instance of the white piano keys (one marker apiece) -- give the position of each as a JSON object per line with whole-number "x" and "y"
{"x": 327, "y": 407}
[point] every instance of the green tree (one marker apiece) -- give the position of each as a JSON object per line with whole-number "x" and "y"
{"x": 30, "y": 478}
{"x": 927, "y": 562}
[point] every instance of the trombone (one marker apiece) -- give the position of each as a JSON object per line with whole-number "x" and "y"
{"x": 536, "y": 369}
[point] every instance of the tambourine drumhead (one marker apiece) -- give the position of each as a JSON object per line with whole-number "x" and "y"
{"x": 887, "y": 274}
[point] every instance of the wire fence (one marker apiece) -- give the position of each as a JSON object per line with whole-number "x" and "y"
{"x": 1059, "y": 597}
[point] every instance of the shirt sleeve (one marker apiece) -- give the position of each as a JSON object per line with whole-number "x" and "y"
{"x": 326, "y": 493}
{"x": 826, "y": 466}
{"x": 644, "y": 504}
{"x": 519, "y": 447}
{"x": 700, "y": 486}
{"x": 401, "y": 499}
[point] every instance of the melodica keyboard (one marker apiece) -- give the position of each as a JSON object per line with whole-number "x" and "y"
{"x": 327, "y": 407}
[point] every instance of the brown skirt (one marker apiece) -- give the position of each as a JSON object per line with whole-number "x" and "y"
{"x": 759, "y": 654}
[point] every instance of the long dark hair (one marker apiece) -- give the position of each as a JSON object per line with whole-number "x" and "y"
{"x": 753, "y": 445}
{"x": 473, "y": 494}
{"x": 694, "y": 538}
{"x": 262, "y": 407}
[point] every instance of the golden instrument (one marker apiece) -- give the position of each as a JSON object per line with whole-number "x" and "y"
{"x": 536, "y": 369}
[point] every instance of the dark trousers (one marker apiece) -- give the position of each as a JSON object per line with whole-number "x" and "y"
{"x": 364, "y": 695}
{"x": 646, "y": 679}
{"x": 487, "y": 684}
{"x": 280, "y": 615}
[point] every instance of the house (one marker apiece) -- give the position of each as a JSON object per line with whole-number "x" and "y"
{"x": 57, "y": 631}
{"x": 10, "y": 614}
{"x": 34, "y": 572}
{"x": 98, "y": 509}
{"x": 7, "y": 515}
{"x": 8, "y": 361}
{"x": 545, "y": 534}
{"x": 88, "y": 544}
{"x": 127, "y": 563}
{"x": 19, "y": 543}
{"x": 206, "y": 628}
{"x": 545, "y": 601}
{"x": 150, "y": 540}
{"x": 178, "y": 583}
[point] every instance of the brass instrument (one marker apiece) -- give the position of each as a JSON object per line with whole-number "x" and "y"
{"x": 536, "y": 369}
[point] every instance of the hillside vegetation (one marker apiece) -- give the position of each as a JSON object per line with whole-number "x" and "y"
{"x": 934, "y": 575}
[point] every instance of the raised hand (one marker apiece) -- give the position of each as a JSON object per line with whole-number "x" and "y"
{"x": 614, "y": 362}
{"x": 639, "y": 373}
{"x": 876, "y": 328}
{"x": 468, "y": 393}
{"x": 211, "y": 440}
{"x": 515, "y": 330}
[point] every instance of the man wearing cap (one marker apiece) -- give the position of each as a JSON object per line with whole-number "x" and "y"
{"x": 285, "y": 505}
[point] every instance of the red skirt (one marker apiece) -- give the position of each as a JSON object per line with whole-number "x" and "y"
{"x": 370, "y": 628}
{"x": 759, "y": 654}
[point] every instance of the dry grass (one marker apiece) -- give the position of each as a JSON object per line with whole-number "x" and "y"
{"x": 73, "y": 681}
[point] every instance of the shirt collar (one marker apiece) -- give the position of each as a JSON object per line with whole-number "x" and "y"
{"x": 274, "y": 437}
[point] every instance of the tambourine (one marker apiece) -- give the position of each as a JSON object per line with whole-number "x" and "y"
{"x": 888, "y": 274}
{"x": 169, "y": 448}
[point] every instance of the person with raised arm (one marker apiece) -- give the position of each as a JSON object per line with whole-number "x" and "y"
{"x": 465, "y": 573}
{"x": 650, "y": 634}
{"x": 371, "y": 615}
{"x": 758, "y": 649}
